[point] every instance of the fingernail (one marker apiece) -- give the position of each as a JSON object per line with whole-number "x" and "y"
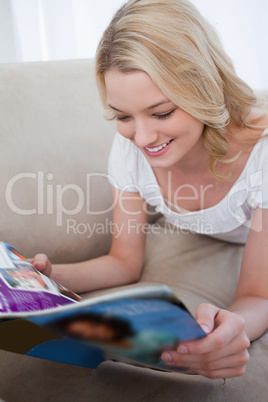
{"x": 205, "y": 328}
{"x": 183, "y": 349}
{"x": 166, "y": 357}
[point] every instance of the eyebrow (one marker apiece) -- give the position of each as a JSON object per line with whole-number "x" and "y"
{"x": 150, "y": 107}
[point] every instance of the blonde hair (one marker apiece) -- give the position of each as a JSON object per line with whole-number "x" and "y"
{"x": 179, "y": 49}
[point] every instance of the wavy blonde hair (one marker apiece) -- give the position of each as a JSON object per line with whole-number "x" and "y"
{"x": 172, "y": 42}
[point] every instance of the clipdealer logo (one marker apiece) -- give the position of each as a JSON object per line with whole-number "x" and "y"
{"x": 51, "y": 196}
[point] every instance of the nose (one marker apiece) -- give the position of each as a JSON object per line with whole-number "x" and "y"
{"x": 145, "y": 133}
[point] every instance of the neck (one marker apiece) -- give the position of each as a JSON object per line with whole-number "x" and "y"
{"x": 196, "y": 161}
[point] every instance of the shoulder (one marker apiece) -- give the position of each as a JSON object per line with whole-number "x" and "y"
{"x": 243, "y": 139}
{"x": 258, "y": 118}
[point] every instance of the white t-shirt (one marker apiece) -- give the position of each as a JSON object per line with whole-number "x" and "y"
{"x": 228, "y": 220}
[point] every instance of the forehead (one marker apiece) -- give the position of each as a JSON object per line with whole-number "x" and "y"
{"x": 132, "y": 89}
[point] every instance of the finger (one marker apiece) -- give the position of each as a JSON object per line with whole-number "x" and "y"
{"x": 194, "y": 363}
{"x": 205, "y": 316}
{"x": 237, "y": 345}
{"x": 40, "y": 262}
{"x": 228, "y": 327}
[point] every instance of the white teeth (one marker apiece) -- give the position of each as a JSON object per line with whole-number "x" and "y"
{"x": 156, "y": 149}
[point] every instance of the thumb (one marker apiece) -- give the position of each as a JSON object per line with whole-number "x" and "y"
{"x": 40, "y": 261}
{"x": 205, "y": 316}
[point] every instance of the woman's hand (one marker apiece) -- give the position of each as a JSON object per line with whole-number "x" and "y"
{"x": 222, "y": 353}
{"x": 42, "y": 264}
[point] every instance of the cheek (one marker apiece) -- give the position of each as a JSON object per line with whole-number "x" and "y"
{"x": 126, "y": 129}
{"x": 199, "y": 128}
{"x": 196, "y": 125}
{"x": 189, "y": 126}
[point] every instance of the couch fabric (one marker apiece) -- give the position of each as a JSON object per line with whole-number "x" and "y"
{"x": 56, "y": 199}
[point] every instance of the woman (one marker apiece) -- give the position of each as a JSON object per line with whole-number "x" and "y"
{"x": 116, "y": 335}
{"x": 192, "y": 143}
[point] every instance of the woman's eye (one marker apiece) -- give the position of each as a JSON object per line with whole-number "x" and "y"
{"x": 165, "y": 115}
{"x": 122, "y": 118}
{"x": 157, "y": 116}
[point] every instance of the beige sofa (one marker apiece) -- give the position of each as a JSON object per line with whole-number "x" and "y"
{"x": 55, "y": 198}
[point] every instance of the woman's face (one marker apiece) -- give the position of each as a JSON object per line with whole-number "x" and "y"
{"x": 90, "y": 330}
{"x": 166, "y": 134}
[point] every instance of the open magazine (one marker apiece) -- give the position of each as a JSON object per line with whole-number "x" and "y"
{"x": 23, "y": 289}
{"x": 132, "y": 325}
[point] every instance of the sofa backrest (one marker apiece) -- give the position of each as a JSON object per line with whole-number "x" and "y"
{"x": 54, "y": 194}
{"x": 55, "y": 197}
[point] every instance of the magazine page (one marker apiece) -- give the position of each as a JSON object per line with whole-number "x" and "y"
{"x": 130, "y": 325}
{"x": 24, "y": 289}
{"x": 134, "y": 326}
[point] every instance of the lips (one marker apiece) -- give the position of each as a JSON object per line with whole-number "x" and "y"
{"x": 159, "y": 150}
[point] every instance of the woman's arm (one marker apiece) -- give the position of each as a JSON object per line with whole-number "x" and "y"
{"x": 251, "y": 300}
{"x": 124, "y": 262}
{"x": 223, "y": 353}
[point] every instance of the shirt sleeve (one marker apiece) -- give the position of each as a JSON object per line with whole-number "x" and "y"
{"x": 259, "y": 178}
{"x": 124, "y": 165}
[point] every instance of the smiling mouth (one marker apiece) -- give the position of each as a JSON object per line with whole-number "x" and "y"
{"x": 156, "y": 149}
